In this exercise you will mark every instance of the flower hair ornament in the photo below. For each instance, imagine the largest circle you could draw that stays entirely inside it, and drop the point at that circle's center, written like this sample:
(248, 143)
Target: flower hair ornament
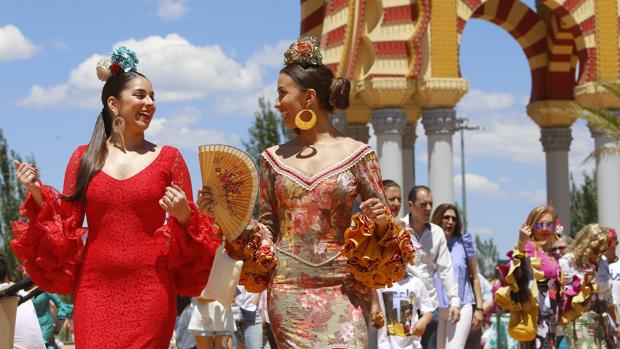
(123, 60)
(304, 51)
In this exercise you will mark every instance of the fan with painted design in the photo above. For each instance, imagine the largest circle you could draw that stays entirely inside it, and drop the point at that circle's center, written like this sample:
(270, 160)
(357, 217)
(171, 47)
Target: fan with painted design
(232, 177)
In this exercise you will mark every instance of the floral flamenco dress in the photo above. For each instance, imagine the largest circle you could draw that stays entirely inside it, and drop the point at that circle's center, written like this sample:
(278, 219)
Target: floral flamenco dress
(126, 276)
(313, 299)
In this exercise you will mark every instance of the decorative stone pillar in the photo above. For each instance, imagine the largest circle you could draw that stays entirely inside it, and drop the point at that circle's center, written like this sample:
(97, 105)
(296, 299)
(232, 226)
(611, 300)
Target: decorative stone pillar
(607, 181)
(358, 132)
(439, 126)
(556, 144)
(389, 125)
(408, 149)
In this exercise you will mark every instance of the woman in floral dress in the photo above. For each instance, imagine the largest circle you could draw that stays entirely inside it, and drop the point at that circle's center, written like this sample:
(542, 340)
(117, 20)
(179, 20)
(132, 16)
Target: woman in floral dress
(307, 190)
(587, 287)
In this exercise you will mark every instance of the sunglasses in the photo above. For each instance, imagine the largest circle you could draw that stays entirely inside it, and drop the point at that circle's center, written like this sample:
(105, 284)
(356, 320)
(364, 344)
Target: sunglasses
(540, 225)
(558, 248)
(449, 218)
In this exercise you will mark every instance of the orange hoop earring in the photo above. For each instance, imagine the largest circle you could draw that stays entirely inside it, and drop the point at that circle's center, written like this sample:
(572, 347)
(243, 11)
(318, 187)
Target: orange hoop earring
(305, 125)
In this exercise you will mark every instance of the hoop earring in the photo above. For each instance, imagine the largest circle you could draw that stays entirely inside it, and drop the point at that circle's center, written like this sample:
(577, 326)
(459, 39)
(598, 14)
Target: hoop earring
(305, 125)
(118, 124)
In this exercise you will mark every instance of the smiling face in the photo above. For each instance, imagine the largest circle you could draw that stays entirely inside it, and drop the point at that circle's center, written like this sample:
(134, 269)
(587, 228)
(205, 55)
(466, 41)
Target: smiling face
(136, 104)
(290, 100)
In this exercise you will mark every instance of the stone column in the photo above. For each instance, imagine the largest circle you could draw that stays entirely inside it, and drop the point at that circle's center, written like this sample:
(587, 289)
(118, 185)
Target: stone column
(556, 144)
(389, 125)
(408, 149)
(439, 126)
(358, 132)
(607, 181)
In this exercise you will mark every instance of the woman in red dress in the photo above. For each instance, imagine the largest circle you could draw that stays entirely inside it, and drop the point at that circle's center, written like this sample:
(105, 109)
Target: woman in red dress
(126, 276)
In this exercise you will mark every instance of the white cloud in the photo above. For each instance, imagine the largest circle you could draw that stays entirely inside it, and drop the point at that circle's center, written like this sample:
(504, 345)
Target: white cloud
(179, 70)
(170, 10)
(537, 196)
(477, 100)
(14, 45)
(179, 130)
(477, 184)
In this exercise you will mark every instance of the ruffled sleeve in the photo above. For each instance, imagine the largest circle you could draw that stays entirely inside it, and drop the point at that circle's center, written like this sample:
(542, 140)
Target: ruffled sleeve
(255, 244)
(375, 260)
(49, 243)
(190, 248)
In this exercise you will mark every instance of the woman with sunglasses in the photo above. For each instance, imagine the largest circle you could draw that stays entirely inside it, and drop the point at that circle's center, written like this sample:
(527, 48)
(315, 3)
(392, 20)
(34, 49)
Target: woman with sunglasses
(536, 236)
(583, 273)
(465, 268)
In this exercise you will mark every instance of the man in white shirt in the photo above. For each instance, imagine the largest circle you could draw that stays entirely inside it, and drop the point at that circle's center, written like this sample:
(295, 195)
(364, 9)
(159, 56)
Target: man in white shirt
(433, 256)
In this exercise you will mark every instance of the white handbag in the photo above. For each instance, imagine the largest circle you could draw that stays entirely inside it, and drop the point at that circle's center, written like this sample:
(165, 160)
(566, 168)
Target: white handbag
(223, 279)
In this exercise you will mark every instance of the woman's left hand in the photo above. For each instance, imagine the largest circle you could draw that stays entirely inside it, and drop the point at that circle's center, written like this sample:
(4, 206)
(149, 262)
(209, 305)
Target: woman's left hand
(477, 320)
(175, 203)
(375, 210)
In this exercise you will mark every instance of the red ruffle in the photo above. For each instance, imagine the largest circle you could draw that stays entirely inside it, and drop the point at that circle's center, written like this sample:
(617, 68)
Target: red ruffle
(190, 251)
(50, 244)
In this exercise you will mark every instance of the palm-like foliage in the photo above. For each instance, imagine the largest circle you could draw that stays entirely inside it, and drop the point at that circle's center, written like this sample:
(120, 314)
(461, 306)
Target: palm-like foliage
(606, 121)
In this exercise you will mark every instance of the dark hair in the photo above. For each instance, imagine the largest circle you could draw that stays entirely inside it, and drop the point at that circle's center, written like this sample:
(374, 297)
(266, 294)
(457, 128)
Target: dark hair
(333, 93)
(95, 154)
(388, 183)
(4, 269)
(413, 193)
(438, 216)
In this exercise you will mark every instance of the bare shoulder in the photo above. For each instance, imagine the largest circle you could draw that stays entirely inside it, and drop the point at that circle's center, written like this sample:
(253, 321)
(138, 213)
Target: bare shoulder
(351, 145)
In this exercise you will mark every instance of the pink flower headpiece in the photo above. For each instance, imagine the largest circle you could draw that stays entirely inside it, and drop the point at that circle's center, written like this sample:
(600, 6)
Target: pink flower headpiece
(304, 51)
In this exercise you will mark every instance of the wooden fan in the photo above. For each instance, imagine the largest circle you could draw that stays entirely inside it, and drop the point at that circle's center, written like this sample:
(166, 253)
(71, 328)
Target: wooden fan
(231, 175)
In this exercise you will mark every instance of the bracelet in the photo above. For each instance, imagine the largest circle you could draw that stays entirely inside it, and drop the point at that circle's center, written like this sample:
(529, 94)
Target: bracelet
(479, 309)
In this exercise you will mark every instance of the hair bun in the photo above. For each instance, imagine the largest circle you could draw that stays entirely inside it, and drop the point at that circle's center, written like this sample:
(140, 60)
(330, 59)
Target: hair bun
(339, 93)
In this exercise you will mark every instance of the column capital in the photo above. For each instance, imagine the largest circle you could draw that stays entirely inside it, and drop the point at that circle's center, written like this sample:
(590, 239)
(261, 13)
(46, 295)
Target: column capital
(409, 136)
(389, 121)
(358, 132)
(439, 121)
(551, 113)
(556, 138)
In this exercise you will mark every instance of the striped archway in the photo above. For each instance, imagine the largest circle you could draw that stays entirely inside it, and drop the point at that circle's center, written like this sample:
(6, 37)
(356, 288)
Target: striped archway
(523, 24)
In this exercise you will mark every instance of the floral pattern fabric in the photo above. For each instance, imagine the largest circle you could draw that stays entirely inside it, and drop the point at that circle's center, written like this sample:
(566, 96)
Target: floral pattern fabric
(313, 302)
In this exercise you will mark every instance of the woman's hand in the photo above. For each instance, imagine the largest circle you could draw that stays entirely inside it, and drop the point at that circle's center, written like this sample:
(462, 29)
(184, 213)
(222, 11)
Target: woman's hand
(27, 175)
(525, 234)
(175, 203)
(375, 210)
(477, 320)
(205, 201)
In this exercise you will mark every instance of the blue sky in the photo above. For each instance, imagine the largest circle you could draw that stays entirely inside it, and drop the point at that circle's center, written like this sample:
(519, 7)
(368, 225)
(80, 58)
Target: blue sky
(226, 55)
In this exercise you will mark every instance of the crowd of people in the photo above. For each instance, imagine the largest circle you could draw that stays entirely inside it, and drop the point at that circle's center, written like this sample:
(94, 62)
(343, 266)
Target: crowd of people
(328, 263)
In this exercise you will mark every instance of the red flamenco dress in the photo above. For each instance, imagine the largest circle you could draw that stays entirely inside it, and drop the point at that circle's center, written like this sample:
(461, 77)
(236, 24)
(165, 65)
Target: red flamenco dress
(126, 276)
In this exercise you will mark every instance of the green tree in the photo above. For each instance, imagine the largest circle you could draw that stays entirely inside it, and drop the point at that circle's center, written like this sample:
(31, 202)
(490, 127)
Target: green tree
(583, 208)
(11, 196)
(487, 256)
(265, 131)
